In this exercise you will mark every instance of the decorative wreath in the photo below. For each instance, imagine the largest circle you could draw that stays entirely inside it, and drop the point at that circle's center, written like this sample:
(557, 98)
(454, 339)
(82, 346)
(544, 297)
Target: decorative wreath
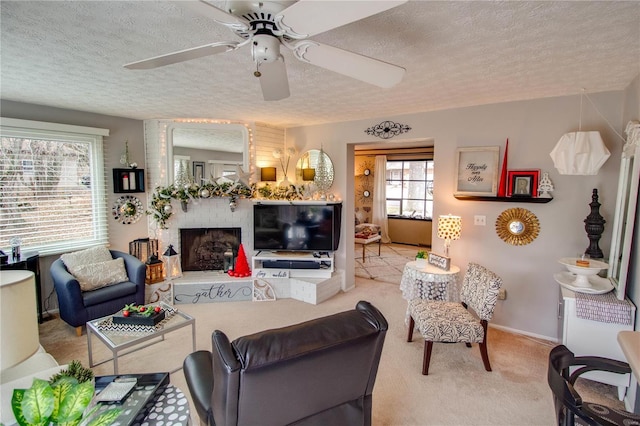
(127, 209)
(517, 226)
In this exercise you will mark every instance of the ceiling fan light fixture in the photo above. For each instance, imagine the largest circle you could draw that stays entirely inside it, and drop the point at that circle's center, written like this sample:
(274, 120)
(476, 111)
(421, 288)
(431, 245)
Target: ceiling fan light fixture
(265, 48)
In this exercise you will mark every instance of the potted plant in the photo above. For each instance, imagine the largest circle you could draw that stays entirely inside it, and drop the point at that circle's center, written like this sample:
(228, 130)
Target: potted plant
(421, 259)
(63, 400)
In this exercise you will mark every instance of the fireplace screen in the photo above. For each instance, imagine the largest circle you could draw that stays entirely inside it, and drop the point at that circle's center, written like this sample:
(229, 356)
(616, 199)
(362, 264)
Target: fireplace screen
(205, 249)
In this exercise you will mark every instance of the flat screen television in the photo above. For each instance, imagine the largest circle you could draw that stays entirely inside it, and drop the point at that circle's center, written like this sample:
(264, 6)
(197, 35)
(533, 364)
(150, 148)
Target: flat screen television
(296, 227)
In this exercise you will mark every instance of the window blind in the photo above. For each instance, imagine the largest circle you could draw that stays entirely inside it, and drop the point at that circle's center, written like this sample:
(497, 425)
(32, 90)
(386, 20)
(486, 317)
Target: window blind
(52, 186)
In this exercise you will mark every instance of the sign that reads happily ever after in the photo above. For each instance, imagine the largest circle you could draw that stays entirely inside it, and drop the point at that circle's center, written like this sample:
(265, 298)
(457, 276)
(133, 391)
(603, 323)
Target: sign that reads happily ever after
(438, 261)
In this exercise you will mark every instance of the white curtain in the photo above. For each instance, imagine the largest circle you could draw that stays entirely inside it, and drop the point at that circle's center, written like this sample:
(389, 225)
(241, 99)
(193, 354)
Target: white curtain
(380, 197)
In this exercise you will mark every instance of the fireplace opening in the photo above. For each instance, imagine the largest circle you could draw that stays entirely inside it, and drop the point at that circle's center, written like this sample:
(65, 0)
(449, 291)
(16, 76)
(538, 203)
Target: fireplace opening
(209, 249)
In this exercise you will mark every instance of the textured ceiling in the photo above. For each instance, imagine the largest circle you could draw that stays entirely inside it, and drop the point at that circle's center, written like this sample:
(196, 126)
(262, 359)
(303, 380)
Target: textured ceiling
(70, 55)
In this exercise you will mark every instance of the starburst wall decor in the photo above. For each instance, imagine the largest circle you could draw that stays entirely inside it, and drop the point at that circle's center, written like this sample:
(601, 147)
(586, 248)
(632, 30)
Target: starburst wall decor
(387, 129)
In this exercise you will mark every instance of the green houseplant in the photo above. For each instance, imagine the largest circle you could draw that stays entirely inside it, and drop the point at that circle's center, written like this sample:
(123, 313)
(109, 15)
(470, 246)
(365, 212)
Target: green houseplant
(62, 402)
(421, 259)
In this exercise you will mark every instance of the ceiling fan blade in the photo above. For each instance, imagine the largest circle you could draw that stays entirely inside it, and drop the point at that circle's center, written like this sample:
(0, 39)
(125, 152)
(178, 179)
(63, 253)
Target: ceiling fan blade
(184, 55)
(274, 80)
(306, 18)
(205, 8)
(360, 67)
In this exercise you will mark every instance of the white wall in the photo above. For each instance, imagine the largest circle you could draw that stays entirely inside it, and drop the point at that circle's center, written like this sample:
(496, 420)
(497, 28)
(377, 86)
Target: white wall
(533, 128)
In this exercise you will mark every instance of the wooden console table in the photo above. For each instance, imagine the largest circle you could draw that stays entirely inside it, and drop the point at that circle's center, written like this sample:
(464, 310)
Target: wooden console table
(29, 261)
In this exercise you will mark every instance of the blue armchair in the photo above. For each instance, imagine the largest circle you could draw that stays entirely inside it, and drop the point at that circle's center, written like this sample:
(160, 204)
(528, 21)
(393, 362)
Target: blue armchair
(78, 307)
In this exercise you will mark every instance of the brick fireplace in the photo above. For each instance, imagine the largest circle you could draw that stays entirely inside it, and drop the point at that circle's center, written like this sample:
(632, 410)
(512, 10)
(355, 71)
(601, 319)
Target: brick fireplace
(209, 249)
(212, 213)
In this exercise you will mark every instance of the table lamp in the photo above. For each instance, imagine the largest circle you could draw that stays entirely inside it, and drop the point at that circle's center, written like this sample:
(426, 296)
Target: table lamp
(449, 228)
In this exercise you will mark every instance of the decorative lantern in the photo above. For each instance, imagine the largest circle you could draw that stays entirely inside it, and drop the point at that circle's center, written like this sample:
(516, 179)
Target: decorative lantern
(172, 261)
(144, 248)
(155, 270)
(228, 260)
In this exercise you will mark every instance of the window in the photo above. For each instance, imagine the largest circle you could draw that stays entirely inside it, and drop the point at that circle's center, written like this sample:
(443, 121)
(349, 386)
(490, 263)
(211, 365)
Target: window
(52, 195)
(410, 188)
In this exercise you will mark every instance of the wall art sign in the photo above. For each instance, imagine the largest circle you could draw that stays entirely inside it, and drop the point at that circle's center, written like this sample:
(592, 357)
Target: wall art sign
(232, 291)
(442, 262)
(477, 171)
(387, 129)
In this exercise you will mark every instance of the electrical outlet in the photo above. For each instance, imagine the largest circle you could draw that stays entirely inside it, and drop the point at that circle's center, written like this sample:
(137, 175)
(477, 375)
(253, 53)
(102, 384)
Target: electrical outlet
(480, 220)
(502, 294)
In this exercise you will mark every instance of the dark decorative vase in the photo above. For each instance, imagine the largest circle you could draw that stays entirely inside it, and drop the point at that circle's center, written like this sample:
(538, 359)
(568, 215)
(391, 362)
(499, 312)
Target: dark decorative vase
(594, 225)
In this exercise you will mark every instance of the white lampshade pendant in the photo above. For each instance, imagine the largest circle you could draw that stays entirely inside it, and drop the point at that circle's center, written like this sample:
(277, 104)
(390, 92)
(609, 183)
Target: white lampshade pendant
(579, 153)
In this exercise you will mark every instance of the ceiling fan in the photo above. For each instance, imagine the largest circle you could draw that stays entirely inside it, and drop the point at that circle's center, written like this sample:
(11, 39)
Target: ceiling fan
(267, 25)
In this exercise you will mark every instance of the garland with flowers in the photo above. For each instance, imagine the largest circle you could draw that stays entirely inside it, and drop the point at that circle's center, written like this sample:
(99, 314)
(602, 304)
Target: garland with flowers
(161, 209)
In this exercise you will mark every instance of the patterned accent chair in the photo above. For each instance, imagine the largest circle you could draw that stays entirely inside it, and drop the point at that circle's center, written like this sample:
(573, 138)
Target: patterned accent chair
(570, 409)
(441, 321)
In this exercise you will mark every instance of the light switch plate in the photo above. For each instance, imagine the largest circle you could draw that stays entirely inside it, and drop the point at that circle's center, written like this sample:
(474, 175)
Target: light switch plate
(480, 220)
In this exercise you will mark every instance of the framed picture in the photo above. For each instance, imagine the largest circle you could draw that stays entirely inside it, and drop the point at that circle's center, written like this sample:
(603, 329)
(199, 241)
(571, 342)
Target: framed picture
(198, 171)
(477, 170)
(522, 183)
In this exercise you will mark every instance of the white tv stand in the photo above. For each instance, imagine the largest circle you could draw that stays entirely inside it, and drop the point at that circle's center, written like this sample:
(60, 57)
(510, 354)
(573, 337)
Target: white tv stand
(298, 275)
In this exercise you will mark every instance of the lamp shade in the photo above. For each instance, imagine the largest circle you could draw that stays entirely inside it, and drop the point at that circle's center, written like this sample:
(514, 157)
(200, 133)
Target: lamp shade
(18, 313)
(579, 153)
(308, 174)
(268, 174)
(449, 227)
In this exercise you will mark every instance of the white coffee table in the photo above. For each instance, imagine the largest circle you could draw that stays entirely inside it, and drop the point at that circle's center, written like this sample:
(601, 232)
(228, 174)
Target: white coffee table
(123, 340)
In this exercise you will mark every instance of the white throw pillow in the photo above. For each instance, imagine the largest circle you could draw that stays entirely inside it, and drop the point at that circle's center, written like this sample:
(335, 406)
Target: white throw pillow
(101, 274)
(85, 257)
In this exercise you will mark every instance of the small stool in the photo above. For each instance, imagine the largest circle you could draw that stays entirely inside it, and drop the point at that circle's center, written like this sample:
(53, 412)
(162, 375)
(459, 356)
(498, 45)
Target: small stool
(367, 233)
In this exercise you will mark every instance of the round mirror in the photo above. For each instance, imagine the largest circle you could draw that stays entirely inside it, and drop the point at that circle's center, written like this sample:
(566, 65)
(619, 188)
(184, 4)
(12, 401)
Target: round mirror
(366, 193)
(367, 172)
(312, 167)
(517, 226)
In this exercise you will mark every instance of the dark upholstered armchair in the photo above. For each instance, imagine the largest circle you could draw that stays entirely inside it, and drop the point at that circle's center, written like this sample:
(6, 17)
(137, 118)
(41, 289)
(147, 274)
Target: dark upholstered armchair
(319, 372)
(78, 307)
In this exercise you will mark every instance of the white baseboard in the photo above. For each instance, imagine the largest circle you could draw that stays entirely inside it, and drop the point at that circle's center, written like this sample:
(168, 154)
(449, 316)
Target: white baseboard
(553, 340)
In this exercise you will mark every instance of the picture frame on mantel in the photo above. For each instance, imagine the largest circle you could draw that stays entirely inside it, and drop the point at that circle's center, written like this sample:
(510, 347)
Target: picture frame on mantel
(523, 183)
(477, 171)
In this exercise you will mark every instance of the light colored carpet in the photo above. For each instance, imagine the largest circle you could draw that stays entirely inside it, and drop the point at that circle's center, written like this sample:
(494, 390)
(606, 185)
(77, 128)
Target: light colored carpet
(458, 390)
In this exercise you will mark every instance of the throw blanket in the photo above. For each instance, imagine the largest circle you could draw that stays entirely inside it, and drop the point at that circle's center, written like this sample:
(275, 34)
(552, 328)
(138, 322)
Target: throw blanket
(603, 308)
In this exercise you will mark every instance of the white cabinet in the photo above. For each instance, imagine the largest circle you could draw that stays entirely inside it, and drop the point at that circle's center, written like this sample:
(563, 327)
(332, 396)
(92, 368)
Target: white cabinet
(585, 337)
(301, 276)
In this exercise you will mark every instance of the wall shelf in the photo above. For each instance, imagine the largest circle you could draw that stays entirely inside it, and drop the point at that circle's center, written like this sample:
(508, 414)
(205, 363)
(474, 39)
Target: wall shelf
(503, 199)
(128, 180)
